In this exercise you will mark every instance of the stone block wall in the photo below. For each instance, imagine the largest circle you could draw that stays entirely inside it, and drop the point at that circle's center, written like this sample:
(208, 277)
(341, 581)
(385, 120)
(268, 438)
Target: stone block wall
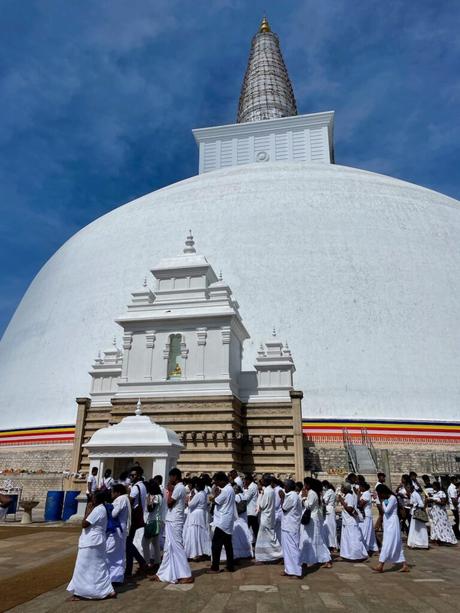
(41, 465)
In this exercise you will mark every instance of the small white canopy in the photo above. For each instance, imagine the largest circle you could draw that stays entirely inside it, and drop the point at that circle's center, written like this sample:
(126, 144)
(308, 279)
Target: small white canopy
(135, 439)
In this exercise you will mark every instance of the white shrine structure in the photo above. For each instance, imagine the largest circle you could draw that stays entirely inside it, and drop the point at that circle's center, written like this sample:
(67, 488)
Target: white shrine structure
(135, 439)
(183, 347)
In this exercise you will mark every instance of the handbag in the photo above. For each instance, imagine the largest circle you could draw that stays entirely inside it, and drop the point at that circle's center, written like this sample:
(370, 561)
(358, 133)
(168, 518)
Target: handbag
(420, 515)
(306, 516)
(152, 528)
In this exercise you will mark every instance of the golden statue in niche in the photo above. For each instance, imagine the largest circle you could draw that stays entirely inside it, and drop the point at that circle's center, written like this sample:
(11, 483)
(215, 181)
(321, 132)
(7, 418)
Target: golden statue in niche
(177, 372)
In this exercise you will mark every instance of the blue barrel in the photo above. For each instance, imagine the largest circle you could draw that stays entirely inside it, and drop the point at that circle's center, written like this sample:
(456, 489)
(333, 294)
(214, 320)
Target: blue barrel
(53, 507)
(13, 506)
(70, 504)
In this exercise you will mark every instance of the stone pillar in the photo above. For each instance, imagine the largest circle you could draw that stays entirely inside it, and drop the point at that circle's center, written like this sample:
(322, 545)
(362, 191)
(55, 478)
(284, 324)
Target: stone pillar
(150, 346)
(296, 397)
(83, 405)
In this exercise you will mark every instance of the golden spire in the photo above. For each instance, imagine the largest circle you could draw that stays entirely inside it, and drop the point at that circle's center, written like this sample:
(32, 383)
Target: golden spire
(264, 26)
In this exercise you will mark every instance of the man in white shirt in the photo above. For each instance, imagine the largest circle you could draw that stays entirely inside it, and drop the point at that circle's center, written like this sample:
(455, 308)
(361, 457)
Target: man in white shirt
(174, 567)
(91, 483)
(223, 521)
(251, 492)
(452, 493)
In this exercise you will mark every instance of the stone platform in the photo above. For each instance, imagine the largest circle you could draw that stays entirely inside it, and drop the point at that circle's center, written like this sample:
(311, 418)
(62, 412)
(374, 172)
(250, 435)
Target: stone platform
(432, 586)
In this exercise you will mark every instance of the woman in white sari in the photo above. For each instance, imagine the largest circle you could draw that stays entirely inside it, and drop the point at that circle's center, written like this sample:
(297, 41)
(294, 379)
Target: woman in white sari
(91, 577)
(367, 526)
(352, 545)
(441, 530)
(418, 532)
(116, 539)
(330, 522)
(392, 549)
(197, 541)
(313, 548)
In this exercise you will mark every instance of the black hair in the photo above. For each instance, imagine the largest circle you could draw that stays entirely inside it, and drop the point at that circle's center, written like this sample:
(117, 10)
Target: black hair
(436, 485)
(249, 476)
(175, 472)
(289, 485)
(137, 469)
(206, 478)
(328, 485)
(99, 497)
(381, 475)
(119, 488)
(365, 486)
(298, 485)
(199, 484)
(153, 487)
(220, 476)
(361, 479)
(383, 490)
(158, 479)
(351, 477)
(266, 479)
(94, 470)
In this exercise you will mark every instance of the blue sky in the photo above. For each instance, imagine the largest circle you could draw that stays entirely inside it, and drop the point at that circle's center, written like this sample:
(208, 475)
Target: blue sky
(98, 99)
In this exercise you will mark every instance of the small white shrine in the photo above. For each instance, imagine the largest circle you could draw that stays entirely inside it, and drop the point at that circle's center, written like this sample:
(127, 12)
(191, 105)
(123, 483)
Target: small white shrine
(135, 440)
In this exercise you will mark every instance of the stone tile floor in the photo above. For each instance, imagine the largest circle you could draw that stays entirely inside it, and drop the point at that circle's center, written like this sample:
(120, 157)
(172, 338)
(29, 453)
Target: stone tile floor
(432, 586)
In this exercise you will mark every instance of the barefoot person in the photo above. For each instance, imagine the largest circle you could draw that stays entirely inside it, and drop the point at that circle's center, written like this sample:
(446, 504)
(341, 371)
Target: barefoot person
(91, 577)
(392, 550)
(352, 545)
(291, 508)
(268, 548)
(174, 566)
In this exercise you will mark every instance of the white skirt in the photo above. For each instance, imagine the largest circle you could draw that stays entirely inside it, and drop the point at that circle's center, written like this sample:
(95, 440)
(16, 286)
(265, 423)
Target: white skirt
(418, 534)
(268, 548)
(392, 549)
(174, 565)
(291, 553)
(91, 577)
(330, 530)
(197, 541)
(116, 556)
(368, 532)
(313, 548)
(241, 540)
(352, 545)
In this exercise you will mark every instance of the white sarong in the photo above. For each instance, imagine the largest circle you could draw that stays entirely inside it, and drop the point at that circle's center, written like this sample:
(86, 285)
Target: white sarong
(368, 532)
(268, 548)
(91, 577)
(116, 555)
(174, 565)
(392, 550)
(291, 553)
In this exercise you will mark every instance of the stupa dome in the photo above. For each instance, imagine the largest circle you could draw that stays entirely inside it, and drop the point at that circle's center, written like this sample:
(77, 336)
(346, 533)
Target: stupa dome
(358, 271)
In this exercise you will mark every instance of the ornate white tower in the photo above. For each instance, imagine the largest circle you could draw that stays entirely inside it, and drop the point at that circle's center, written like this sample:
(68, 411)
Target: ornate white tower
(268, 127)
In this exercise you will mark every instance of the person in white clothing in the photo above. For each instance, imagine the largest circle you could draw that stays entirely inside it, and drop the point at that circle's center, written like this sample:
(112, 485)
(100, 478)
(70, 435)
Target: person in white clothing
(276, 485)
(152, 530)
(291, 509)
(352, 545)
(418, 533)
(441, 530)
(268, 547)
(116, 538)
(452, 494)
(223, 497)
(313, 547)
(241, 537)
(91, 576)
(330, 522)
(392, 549)
(197, 542)
(367, 527)
(251, 492)
(91, 483)
(174, 567)
(107, 480)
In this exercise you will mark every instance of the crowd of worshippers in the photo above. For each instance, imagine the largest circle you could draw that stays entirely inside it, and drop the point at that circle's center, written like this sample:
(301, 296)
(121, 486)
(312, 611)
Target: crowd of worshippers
(232, 519)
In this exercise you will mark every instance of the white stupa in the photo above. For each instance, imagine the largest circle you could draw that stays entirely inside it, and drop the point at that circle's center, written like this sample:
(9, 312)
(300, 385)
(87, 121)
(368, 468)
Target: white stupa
(358, 270)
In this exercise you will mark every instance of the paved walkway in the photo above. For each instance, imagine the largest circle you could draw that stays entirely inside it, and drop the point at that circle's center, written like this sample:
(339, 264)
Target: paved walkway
(432, 586)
